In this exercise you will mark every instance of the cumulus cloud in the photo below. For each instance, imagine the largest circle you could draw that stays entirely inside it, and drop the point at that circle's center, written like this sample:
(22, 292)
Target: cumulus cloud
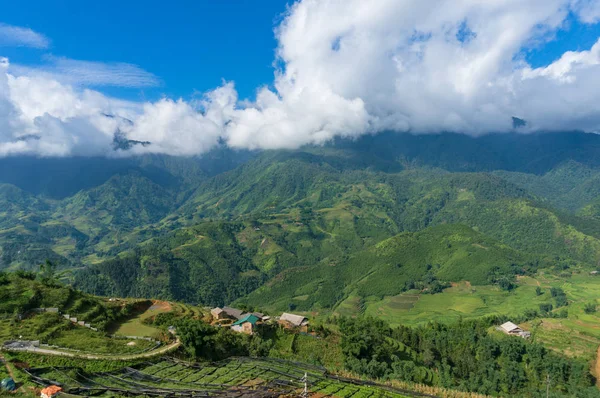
(347, 67)
(40, 115)
(178, 128)
(18, 36)
(353, 67)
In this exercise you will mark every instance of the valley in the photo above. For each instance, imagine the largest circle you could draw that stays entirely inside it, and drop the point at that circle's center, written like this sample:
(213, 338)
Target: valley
(388, 228)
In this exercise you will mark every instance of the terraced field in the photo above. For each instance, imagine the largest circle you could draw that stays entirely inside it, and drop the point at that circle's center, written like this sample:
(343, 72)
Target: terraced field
(136, 326)
(234, 377)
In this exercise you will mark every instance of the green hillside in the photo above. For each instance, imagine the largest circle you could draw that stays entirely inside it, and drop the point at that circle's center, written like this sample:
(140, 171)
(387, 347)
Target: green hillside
(343, 356)
(23, 292)
(569, 186)
(426, 260)
(304, 213)
(313, 227)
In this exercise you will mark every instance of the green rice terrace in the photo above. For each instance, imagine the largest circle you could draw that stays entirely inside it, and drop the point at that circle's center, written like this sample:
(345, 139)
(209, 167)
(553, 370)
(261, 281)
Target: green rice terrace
(235, 377)
(63, 321)
(138, 347)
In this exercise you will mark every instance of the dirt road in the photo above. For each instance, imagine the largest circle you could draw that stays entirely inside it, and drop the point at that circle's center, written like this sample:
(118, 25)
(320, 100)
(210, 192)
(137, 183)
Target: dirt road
(46, 351)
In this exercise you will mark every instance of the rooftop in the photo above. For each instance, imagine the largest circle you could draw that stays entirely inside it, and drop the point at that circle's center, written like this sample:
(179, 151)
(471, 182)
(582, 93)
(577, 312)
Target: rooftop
(296, 320)
(508, 326)
(234, 312)
(248, 318)
(49, 391)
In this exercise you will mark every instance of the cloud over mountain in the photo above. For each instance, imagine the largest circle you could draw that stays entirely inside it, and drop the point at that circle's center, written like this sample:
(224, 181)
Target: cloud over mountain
(346, 68)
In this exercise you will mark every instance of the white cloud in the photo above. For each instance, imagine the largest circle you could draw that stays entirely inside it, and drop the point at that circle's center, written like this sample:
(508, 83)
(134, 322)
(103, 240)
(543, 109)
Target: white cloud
(587, 10)
(89, 73)
(354, 67)
(349, 67)
(568, 67)
(44, 117)
(177, 128)
(18, 36)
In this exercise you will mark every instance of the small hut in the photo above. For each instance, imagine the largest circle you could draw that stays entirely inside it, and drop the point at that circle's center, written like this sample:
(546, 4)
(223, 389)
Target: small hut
(291, 321)
(218, 313)
(513, 330)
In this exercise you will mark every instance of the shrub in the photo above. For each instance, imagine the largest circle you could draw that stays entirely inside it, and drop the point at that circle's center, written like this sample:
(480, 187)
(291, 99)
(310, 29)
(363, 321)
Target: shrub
(538, 291)
(590, 308)
(545, 308)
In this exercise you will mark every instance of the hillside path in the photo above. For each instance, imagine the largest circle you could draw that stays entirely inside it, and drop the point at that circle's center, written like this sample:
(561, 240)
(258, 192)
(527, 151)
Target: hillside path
(46, 351)
(597, 368)
(8, 369)
(10, 372)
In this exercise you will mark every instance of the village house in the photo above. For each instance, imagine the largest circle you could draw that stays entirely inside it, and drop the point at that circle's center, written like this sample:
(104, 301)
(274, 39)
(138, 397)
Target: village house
(235, 314)
(227, 313)
(513, 330)
(50, 392)
(260, 316)
(218, 313)
(292, 321)
(246, 325)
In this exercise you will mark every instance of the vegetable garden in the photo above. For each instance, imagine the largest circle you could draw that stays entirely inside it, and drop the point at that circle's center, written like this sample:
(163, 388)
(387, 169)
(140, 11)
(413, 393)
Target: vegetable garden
(231, 378)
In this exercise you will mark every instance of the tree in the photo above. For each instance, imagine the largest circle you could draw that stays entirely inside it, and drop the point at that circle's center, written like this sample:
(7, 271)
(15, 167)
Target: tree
(561, 301)
(47, 271)
(4, 278)
(538, 291)
(590, 308)
(506, 284)
(545, 308)
(559, 296)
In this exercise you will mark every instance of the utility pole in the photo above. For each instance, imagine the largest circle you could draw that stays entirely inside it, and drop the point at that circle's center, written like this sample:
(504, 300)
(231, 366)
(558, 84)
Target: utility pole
(547, 385)
(305, 381)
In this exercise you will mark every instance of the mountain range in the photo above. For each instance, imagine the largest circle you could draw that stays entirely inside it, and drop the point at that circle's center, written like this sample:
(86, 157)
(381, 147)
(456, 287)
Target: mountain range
(308, 228)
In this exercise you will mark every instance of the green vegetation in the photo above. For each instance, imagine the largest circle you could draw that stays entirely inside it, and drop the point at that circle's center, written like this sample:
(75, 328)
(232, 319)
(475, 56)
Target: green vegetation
(442, 228)
(23, 300)
(447, 355)
(238, 375)
(465, 355)
(282, 226)
(424, 262)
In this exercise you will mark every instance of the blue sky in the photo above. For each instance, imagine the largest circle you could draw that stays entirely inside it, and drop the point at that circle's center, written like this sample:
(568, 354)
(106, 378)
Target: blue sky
(191, 46)
(575, 36)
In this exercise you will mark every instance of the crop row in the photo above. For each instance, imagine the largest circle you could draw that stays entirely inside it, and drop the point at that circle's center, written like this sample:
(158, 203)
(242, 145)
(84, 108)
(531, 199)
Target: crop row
(170, 375)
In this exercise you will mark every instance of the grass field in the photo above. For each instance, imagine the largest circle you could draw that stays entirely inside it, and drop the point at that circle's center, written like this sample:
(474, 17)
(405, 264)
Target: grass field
(309, 349)
(3, 371)
(578, 335)
(54, 330)
(459, 301)
(134, 326)
(556, 334)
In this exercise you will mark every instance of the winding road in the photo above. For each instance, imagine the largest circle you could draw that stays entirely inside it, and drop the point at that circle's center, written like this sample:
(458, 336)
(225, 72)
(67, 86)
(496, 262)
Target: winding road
(47, 351)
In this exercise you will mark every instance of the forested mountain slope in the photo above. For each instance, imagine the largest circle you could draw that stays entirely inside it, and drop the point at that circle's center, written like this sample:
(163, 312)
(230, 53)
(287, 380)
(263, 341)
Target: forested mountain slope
(214, 229)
